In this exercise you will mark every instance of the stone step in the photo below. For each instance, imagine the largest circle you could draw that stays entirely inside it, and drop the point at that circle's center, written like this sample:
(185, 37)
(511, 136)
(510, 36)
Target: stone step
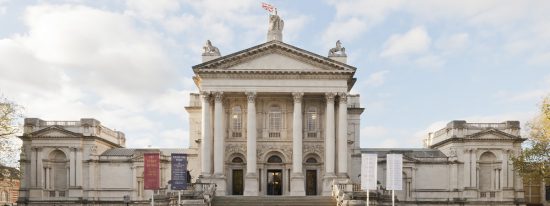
(273, 201)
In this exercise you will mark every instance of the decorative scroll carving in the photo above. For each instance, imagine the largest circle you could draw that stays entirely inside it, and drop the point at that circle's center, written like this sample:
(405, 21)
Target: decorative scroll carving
(205, 95)
(210, 50)
(297, 97)
(263, 149)
(251, 96)
(235, 148)
(218, 96)
(337, 51)
(330, 96)
(315, 149)
(343, 97)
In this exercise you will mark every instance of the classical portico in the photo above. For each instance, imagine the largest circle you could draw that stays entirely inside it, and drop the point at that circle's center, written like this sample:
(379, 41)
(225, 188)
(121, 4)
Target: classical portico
(281, 111)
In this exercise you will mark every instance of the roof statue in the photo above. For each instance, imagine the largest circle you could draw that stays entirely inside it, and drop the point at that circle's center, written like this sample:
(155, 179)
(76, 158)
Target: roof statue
(210, 50)
(337, 51)
(275, 30)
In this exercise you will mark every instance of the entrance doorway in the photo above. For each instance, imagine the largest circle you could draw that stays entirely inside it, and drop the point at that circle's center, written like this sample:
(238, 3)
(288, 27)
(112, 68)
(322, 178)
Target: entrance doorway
(311, 182)
(237, 187)
(274, 182)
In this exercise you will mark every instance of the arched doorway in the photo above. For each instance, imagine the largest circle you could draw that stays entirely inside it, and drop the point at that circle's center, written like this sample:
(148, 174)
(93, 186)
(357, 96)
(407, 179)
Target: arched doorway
(236, 168)
(274, 176)
(312, 166)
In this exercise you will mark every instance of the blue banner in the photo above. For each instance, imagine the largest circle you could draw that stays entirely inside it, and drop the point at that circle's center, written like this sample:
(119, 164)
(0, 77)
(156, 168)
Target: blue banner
(179, 171)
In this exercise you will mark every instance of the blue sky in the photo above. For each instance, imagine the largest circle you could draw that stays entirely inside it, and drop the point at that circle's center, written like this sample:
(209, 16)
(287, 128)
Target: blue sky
(420, 63)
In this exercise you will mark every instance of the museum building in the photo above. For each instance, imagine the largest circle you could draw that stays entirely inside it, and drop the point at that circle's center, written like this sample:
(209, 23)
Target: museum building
(271, 120)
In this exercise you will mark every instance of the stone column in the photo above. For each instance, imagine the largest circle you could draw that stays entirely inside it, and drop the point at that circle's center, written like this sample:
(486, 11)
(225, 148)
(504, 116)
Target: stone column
(206, 137)
(343, 135)
(474, 169)
(251, 180)
(297, 179)
(219, 176)
(504, 169)
(218, 134)
(329, 145)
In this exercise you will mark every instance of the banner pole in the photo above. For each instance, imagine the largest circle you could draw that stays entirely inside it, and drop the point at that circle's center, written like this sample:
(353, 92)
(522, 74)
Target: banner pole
(368, 197)
(153, 198)
(179, 197)
(392, 198)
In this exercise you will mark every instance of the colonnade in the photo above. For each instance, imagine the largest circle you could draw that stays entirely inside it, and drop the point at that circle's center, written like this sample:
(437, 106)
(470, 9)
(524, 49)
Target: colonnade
(214, 145)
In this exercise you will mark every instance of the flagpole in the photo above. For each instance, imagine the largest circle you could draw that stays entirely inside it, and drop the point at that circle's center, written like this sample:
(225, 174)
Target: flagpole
(368, 197)
(153, 198)
(179, 197)
(392, 198)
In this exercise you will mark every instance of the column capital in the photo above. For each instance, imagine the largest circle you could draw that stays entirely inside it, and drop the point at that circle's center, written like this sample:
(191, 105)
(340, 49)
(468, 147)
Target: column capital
(329, 96)
(218, 96)
(343, 97)
(297, 96)
(205, 95)
(250, 96)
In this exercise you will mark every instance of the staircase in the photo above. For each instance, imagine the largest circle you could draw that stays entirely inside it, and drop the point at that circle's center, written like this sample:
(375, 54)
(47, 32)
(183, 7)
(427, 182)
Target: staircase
(273, 200)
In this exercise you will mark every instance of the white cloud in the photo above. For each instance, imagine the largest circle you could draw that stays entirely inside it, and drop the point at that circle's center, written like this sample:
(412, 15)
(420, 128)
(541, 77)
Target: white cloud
(157, 9)
(430, 61)
(376, 79)
(454, 42)
(413, 41)
(342, 30)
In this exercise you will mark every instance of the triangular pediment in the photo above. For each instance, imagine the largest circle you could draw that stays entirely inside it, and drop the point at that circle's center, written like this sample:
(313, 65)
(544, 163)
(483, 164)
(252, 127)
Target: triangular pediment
(54, 131)
(274, 56)
(275, 62)
(492, 134)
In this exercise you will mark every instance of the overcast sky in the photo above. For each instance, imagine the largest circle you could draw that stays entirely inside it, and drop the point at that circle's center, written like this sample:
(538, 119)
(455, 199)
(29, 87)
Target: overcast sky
(419, 64)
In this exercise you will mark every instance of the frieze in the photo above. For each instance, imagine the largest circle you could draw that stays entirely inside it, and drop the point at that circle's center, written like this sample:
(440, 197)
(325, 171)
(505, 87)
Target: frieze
(263, 149)
(235, 148)
(274, 75)
(318, 149)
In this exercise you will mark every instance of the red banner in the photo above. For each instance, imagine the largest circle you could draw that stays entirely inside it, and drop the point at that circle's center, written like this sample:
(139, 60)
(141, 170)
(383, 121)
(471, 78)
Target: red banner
(151, 171)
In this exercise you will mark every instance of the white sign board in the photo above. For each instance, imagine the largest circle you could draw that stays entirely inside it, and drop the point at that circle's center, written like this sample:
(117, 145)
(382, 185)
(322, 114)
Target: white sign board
(394, 171)
(369, 165)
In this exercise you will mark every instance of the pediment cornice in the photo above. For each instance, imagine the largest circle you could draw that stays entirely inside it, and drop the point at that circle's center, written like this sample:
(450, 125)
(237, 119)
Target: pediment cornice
(53, 132)
(325, 64)
(492, 134)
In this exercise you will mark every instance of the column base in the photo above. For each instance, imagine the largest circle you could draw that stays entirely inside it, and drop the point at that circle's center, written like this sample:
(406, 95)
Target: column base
(297, 185)
(327, 184)
(251, 185)
(221, 185)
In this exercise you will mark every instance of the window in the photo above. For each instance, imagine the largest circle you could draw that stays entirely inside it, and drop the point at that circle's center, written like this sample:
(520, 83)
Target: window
(274, 159)
(4, 196)
(312, 122)
(275, 121)
(237, 160)
(311, 160)
(236, 121)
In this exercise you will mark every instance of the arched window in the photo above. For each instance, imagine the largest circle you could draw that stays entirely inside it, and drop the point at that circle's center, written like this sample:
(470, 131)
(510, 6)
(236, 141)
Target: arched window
(236, 121)
(274, 159)
(275, 121)
(312, 118)
(4, 196)
(57, 173)
(311, 160)
(489, 178)
(237, 160)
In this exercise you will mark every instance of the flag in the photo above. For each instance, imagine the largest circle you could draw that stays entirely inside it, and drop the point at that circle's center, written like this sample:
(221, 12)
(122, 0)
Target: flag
(268, 7)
